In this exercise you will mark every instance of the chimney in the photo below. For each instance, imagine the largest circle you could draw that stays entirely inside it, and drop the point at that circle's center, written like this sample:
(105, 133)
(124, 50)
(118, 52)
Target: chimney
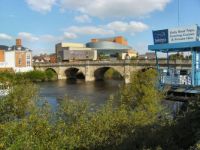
(18, 42)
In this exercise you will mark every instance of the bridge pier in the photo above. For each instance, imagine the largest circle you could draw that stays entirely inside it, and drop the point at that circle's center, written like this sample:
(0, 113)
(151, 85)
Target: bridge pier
(60, 77)
(89, 74)
(127, 79)
(61, 73)
(127, 74)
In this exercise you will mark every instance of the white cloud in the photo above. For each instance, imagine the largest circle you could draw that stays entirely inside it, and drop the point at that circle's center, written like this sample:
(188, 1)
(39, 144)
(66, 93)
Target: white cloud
(68, 35)
(41, 5)
(89, 30)
(46, 38)
(49, 38)
(115, 8)
(103, 8)
(4, 36)
(112, 28)
(83, 19)
(28, 36)
(130, 27)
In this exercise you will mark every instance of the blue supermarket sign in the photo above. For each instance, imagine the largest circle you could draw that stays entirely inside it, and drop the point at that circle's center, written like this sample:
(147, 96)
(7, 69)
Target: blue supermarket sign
(160, 36)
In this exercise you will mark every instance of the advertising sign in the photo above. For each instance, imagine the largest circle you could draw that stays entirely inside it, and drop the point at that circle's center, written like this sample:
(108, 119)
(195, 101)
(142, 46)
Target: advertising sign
(177, 35)
(160, 36)
(183, 34)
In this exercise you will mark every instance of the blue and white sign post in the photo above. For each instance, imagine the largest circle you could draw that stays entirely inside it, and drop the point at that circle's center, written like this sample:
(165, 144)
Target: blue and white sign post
(180, 39)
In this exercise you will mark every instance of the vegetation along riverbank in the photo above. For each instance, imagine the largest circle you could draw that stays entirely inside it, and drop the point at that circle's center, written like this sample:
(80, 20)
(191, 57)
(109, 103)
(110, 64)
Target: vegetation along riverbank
(133, 119)
(33, 76)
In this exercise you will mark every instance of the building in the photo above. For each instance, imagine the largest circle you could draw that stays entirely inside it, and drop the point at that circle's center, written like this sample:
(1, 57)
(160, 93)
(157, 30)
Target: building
(130, 54)
(110, 47)
(16, 57)
(45, 58)
(148, 55)
(74, 51)
(119, 39)
(42, 58)
(52, 58)
(39, 59)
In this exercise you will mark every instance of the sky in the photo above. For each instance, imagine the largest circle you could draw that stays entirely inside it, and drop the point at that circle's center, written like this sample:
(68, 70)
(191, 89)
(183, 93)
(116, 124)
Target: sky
(43, 23)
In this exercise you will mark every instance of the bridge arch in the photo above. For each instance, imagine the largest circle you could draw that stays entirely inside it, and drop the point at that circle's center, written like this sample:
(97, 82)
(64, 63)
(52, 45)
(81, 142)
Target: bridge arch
(53, 74)
(74, 73)
(52, 69)
(100, 72)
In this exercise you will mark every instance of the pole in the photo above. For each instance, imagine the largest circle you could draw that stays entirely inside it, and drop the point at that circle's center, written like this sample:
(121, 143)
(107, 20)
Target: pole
(178, 14)
(167, 62)
(193, 67)
(158, 70)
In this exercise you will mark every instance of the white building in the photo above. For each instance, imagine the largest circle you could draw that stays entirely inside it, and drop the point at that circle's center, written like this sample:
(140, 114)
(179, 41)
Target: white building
(17, 57)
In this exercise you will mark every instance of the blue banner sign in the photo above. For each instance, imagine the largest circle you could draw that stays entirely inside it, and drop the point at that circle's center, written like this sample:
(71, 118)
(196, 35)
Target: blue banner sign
(160, 36)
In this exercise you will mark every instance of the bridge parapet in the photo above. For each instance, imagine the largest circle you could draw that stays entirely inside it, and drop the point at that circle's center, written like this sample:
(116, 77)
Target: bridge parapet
(138, 62)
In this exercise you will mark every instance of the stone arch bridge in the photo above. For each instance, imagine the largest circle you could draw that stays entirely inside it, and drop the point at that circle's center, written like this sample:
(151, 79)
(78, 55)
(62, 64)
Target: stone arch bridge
(94, 70)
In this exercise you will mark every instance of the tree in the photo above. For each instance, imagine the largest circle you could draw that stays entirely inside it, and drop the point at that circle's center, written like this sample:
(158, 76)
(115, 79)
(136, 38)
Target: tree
(176, 56)
(135, 122)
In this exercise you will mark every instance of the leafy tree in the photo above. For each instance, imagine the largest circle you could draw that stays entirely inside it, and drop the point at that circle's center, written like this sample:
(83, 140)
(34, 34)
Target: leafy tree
(176, 56)
(133, 119)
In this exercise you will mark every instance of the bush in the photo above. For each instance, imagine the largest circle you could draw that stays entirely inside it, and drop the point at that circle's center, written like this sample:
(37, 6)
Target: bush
(50, 75)
(36, 75)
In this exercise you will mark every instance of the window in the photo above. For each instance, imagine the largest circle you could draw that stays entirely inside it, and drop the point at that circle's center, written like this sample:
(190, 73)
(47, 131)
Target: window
(28, 58)
(20, 61)
(28, 63)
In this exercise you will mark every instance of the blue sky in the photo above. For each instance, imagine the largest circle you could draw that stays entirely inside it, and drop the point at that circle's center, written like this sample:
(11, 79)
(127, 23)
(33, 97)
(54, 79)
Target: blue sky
(43, 23)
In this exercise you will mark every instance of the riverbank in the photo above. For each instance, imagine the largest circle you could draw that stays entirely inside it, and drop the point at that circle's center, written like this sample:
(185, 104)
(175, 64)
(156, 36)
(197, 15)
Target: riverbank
(33, 76)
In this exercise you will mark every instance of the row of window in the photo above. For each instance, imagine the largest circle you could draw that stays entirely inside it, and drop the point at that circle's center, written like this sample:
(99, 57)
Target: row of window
(28, 60)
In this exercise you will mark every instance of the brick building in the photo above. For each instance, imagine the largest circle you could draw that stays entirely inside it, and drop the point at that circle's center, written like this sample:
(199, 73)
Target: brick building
(16, 57)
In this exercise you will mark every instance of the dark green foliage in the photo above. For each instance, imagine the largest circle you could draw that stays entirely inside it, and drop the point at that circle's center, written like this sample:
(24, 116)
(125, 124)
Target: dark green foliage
(178, 56)
(112, 74)
(50, 75)
(35, 76)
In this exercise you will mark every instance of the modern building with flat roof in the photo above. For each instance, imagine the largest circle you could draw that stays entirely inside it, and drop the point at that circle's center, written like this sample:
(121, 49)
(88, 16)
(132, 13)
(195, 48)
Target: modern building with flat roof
(110, 47)
(74, 51)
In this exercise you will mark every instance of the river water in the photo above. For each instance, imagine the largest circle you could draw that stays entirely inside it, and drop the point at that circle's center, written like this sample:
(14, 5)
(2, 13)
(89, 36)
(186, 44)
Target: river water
(96, 92)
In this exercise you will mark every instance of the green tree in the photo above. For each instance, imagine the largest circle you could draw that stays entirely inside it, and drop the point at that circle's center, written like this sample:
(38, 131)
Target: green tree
(176, 56)
(50, 75)
(132, 123)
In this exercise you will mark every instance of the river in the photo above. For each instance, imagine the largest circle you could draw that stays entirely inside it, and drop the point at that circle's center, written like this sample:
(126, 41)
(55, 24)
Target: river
(96, 92)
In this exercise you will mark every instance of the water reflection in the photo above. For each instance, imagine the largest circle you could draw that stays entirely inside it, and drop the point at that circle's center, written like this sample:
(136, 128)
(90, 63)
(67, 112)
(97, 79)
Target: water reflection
(96, 92)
